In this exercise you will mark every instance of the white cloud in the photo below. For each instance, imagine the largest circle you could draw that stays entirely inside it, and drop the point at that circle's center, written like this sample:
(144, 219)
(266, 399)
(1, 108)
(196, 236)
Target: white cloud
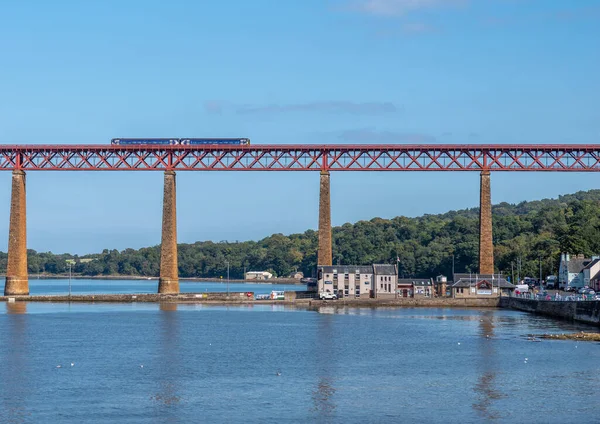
(370, 135)
(333, 106)
(329, 106)
(400, 7)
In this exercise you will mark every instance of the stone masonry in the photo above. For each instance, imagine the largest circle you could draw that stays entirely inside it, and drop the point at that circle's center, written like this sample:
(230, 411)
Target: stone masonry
(169, 277)
(486, 246)
(17, 282)
(325, 256)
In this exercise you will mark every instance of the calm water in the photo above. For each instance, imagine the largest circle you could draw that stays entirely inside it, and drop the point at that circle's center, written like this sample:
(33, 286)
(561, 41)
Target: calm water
(140, 363)
(146, 286)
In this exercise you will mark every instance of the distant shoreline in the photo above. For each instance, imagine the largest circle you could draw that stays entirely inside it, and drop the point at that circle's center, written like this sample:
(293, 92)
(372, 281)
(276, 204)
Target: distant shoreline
(181, 279)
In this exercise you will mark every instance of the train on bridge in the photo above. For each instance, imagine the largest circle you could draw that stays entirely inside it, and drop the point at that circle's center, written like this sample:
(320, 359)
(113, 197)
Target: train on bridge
(179, 141)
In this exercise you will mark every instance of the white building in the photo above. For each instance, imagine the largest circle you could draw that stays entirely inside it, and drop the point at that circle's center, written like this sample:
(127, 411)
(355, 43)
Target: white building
(576, 270)
(386, 281)
(345, 280)
(354, 281)
(258, 275)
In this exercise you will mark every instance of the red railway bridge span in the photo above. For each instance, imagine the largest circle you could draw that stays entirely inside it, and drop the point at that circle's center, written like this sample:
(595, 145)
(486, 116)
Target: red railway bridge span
(322, 158)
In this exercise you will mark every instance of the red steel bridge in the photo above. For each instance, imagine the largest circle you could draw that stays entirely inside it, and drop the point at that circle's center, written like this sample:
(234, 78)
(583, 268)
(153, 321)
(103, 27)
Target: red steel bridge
(323, 158)
(440, 157)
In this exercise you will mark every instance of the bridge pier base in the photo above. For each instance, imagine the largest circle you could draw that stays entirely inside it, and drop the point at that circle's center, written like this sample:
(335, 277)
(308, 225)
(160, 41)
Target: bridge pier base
(486, 245)
(169, 276)
(324, 255)
(17, 282)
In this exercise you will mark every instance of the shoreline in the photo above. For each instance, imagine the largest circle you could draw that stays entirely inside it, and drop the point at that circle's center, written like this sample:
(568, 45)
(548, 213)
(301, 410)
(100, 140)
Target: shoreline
(181, 279)
(247, 299)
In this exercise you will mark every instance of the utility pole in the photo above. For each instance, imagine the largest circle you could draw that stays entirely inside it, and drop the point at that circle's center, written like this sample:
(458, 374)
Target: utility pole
(512, 273)
(69, 280)
(540, 272)
(227, 278)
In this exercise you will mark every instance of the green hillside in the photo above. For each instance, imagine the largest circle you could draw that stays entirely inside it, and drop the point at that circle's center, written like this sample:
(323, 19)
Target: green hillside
(425, 245)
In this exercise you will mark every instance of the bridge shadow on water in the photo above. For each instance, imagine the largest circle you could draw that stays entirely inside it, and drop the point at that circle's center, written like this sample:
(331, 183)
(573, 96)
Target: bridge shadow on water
(15, 373)
(167, 397)
(323, 396)
(485, 389)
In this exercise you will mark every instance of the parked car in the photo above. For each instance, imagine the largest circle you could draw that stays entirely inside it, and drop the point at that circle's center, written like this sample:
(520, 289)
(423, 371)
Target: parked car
(327, 296)
(585, 290)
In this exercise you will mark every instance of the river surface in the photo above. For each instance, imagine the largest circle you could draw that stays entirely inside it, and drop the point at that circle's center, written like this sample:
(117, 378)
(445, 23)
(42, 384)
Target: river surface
(93, 286)
(153, 363)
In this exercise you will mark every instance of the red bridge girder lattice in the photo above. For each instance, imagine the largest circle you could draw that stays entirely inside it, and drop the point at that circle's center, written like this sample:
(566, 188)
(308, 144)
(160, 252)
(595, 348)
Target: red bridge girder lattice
(575, 158)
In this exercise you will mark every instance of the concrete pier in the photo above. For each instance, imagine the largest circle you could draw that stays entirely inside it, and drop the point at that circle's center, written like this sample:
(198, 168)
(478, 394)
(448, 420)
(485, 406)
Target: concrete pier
(486, 246)
(17, 282)
(324, 255)
(169, 276)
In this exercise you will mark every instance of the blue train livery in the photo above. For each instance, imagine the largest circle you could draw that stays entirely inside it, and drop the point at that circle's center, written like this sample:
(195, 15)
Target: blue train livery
(237, 141)
(145, 141)
(179, 141)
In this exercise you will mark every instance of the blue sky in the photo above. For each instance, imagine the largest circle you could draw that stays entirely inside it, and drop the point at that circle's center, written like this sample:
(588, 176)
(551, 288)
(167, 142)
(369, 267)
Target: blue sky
(305, 71)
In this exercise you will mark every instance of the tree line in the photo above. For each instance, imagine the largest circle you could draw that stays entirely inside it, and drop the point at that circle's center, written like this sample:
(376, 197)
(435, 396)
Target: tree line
(528, 233)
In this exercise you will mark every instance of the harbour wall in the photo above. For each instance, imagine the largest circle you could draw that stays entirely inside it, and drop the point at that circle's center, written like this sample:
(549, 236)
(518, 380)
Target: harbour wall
(583, 311)
(248, 298)
(436, 302)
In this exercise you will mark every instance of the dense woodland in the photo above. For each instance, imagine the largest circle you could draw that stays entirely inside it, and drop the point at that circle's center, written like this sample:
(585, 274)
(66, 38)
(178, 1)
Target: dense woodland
(426, 246)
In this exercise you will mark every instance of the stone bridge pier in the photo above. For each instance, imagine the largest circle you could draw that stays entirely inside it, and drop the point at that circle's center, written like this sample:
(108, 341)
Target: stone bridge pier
(168, 281)
(17, 281)
(324, 253)
(486, 245)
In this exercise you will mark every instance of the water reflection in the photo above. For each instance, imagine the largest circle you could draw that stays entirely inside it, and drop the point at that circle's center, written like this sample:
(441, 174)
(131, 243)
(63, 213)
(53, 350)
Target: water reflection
(323, 397)
(16, 308)
(15, 385)
(485, 390)
(168, 307)
(167, 397)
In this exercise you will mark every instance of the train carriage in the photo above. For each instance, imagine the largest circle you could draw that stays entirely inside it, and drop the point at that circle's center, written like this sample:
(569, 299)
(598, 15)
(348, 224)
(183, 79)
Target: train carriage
(179, 141)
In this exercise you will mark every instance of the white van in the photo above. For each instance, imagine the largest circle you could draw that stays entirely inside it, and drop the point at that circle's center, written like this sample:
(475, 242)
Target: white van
(521, 288)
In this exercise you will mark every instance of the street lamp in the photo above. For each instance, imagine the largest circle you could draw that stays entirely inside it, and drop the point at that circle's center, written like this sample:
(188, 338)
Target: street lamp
(227, 278)
(70, 264)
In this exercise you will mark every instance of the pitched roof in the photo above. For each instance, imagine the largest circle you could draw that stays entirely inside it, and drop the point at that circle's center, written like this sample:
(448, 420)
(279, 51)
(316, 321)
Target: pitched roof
(576, 265)
(592, 263)
(458, 276)
(347, 269)
(414, 281)
(384, 269)
(472, 281)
